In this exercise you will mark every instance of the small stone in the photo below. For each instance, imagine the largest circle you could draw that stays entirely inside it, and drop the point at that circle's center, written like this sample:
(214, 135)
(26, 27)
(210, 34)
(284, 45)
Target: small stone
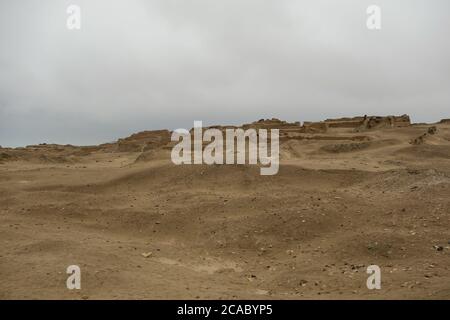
(261, 292)
(438, 248)
(146, 254)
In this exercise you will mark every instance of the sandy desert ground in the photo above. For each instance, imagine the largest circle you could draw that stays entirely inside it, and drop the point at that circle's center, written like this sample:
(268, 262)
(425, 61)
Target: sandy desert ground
(140, 227)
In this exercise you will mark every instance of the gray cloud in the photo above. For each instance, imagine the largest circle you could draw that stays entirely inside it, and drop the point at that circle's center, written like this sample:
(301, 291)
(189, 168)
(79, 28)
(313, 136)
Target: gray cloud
(139, 65)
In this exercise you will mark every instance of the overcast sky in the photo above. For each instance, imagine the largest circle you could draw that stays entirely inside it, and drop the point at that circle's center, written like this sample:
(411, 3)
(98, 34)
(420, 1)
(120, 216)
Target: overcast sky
(151, 64)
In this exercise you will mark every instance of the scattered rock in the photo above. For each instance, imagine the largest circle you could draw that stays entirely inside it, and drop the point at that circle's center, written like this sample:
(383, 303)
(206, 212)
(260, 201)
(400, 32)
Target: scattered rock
(303, 283)
(432, 130)
(147, 254)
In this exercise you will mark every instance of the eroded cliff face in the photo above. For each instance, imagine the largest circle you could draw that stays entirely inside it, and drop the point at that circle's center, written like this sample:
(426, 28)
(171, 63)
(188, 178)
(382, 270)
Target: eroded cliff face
(158, 142)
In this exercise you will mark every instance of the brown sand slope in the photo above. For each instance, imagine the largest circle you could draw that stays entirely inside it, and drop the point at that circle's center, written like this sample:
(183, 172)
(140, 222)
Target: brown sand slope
(344, 198)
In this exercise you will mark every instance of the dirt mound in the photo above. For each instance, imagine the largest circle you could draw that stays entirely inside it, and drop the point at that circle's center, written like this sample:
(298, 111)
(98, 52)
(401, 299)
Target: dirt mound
(245, 178)
(423, 137)
(346, 147)
(292, 149)
(406, 180)
(6, 156)
(143, 141)
(43, 153)
(359, 146)
(424, 151)
(153, 155)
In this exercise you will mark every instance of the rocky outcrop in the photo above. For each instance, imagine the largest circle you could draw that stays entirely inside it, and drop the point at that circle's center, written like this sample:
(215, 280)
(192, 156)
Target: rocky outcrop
(144, 141)
(370, 123)
(422, 138)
